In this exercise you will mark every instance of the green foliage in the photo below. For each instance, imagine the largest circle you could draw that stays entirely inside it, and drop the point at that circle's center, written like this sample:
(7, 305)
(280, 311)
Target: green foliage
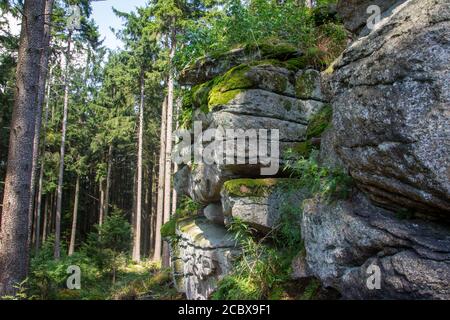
(319, 122)
(329, 183)
(256, 22)
(264, 266)
(186, 208)
(21, 292)
(311, 290)
(107, 246)
(168, 229)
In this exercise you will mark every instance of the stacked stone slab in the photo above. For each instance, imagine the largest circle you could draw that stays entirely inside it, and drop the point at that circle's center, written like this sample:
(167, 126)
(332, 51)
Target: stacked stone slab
(264, 87)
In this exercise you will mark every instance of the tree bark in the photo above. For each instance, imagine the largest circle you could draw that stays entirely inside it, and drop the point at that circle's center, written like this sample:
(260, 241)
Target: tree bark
(44, 223)
(57, 251)
(108, 182)
(38, 122)
(137, 231)
(101, 204)
(14, 220)
(168, 168)
(160, 200)
(41, 169)
(74, 217)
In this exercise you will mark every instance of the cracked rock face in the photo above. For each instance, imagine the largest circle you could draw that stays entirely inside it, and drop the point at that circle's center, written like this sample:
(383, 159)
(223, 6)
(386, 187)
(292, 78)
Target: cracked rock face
(391, 102)
(280, 100)
(203, 255)
(342, 240)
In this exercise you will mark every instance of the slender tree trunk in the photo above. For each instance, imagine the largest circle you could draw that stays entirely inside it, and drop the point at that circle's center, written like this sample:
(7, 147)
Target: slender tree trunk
(41, 169)
(74, 217)
(160, 200)
(38, 122)
(168, 169)
(14, 220)
(108, 182)
(101, 204)
(44, 223)
(57, 252)
(150, 212)
(137, 231)
(175, 165)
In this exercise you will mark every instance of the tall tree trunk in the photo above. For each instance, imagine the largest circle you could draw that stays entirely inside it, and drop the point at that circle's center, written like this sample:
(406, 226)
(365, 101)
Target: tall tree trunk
(108, 182)
(101, 203)
(38, 122)
(41, 169)
(160, 200)
(150, 212)
(74, 217)
(137, 230)
(175, 165)
(168, 168)
(57, 251)
(14, 220)
(45, 222)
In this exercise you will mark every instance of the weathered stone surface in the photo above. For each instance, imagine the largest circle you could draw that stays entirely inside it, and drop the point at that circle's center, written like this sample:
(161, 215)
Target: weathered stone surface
(203, 255)
(208, 68)
(344, 238)
(300, 268)
(206, 182)
(328, 156)
(391, 108)
(354, 12)
(272, 78)
(308, 85)
(214, 213)
(259, 202)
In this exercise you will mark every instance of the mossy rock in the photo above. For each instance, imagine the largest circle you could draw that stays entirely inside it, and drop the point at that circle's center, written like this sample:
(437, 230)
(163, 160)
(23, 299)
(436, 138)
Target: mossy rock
(319, 122)
(168, 229)
(200, 94)
(253, 187)
(293, 64)
(279, 51)
(226, 87)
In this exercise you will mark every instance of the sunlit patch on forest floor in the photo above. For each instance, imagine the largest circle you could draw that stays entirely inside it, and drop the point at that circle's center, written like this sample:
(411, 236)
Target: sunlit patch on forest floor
(143, 281)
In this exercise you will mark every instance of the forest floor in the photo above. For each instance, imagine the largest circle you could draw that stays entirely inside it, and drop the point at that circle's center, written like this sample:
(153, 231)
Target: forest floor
(143, 281)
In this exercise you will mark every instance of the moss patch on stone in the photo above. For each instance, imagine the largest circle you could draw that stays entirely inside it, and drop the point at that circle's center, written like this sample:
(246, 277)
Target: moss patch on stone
(253, 187)
(168, 229)
(226, 87)
(200, 94)
(319, 122)
(279, 51)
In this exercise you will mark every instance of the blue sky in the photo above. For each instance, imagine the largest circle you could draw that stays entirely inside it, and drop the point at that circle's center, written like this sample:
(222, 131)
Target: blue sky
(105, 18)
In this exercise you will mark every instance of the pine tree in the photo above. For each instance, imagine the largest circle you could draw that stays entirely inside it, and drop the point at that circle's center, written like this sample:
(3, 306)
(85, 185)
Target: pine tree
(14, 221)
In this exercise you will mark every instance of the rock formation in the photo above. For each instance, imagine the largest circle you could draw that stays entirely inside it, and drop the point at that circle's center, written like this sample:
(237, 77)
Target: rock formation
(388, 98)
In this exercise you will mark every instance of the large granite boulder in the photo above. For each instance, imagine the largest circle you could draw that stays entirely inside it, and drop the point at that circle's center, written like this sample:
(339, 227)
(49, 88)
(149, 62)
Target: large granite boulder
(345, 238)
(391, 109)
(202, 255)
